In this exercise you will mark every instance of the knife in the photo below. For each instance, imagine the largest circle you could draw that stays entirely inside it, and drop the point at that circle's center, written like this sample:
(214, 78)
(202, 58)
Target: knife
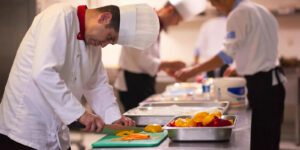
(111, 129)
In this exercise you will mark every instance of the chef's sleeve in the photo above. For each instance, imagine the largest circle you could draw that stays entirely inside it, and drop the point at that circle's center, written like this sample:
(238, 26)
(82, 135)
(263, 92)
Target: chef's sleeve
(51, 35)
(99, 94)
(236, 29)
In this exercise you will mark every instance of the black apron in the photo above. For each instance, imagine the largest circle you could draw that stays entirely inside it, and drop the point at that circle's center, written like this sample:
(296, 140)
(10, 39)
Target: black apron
(267, 104)
(139, 87)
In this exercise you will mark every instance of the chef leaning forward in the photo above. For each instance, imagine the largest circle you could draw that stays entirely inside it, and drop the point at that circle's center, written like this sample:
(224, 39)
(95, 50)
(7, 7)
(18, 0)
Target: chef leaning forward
(58, 62)
(252, 42)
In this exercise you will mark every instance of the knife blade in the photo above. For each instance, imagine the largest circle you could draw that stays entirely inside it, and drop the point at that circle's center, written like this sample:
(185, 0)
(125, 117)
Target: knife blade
(111, 129)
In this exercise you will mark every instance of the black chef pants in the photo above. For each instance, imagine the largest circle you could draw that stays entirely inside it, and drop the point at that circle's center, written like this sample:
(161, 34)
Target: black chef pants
(267, 104)
(8, 144)
(139, 87)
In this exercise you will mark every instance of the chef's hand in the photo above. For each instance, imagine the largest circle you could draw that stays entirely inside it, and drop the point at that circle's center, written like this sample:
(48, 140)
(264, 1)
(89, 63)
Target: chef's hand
(125, 121)
(92, 122)
(170, 67)
(230, 71)
(185, 73)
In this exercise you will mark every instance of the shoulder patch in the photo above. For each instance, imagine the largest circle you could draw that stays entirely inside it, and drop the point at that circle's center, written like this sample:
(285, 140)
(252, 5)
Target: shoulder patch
(231, 35)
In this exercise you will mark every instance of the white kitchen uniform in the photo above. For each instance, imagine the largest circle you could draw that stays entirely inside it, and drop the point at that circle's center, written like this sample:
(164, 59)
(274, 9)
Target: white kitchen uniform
(256, 50)
(252, 42)
(210, 38)
(51, 72)
(137, 61)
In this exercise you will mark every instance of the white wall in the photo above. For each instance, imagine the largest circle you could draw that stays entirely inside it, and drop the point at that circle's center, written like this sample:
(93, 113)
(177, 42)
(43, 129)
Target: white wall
(289, 36)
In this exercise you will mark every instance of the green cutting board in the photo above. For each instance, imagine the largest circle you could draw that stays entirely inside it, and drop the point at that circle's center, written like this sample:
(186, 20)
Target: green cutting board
(108, 141)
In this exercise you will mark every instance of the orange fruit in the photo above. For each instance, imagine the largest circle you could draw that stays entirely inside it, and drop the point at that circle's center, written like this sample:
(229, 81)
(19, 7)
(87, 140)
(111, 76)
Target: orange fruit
(190, 122)
(216, 113)
(200, 116)
(180, 122)
(153, 128)
(207, 119)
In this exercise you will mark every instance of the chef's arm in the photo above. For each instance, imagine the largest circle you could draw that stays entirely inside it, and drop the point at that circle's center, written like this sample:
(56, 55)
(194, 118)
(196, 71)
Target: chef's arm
(170, 67)
(100, 96)
(48, 61)
(215, 62)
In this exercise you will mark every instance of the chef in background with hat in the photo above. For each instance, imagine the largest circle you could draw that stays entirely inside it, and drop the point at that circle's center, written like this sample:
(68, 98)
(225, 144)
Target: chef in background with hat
(138, 69)
(58, 62)
(252, 40)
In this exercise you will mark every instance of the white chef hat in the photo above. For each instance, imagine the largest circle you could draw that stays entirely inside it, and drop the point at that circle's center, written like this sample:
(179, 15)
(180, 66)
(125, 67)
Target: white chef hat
(189, 8)
(139, 26)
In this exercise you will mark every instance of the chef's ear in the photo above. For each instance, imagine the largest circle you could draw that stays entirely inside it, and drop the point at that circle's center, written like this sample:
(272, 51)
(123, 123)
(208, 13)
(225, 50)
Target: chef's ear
(104, 17)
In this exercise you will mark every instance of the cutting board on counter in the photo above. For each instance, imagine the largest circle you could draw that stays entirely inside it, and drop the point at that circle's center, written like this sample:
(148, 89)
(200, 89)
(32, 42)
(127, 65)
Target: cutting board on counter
(109, 141)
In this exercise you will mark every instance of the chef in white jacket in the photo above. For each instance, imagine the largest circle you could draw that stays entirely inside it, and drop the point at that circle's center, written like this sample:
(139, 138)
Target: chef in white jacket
(138, 69)
(58, 62)
(252, 41)
(209, 42)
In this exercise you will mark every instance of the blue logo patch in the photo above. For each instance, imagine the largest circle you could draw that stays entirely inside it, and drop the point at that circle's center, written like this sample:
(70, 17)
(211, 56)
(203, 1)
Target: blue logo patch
(230, 35)
(238, 91)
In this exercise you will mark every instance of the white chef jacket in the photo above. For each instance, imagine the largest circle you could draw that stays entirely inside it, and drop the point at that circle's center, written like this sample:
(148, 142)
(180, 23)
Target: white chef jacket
(138, 61)
(210, 38)
(51, 72)
(251, 38)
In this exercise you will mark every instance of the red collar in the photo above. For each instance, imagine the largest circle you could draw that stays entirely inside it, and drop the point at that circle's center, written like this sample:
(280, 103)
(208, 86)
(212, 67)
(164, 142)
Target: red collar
(81, 16)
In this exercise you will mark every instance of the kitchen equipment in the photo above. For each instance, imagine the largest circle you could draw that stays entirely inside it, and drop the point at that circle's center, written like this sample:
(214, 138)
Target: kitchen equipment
(232, 89)
(110, 141)
(161, 113)
(160, 98)
(200, 133)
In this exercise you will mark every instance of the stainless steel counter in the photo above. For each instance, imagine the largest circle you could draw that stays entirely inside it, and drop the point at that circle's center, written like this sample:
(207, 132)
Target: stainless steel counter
(240, 138)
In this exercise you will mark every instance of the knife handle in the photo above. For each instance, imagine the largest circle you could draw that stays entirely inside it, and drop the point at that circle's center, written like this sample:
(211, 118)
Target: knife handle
(76, 125)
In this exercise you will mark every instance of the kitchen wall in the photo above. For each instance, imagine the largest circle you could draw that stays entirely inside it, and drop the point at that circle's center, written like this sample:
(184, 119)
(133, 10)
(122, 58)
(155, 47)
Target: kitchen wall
(16, 17)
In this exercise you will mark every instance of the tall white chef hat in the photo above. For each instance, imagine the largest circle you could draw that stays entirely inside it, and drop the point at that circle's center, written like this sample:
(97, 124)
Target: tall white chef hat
(139, 26)
(189, 8)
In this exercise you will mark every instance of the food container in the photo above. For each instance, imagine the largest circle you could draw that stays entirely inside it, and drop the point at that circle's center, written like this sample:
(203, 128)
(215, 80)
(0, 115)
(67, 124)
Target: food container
(200, 133)
(161, 113)
(232, 89)
(181, 92)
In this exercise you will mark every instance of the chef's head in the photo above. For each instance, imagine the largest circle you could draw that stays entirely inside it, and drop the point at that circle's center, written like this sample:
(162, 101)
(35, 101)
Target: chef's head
(223, 6)
(168, 16)
(135, 26)
(175, 11)
(102, 25)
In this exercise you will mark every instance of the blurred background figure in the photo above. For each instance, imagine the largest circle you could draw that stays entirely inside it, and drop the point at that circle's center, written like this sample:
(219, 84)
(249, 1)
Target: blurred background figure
(209, 43)
(138, 68)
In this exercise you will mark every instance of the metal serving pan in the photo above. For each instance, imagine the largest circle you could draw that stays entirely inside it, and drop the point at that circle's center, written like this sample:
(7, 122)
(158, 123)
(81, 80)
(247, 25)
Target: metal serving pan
(201, 133)
(160, 98)
(161, 113)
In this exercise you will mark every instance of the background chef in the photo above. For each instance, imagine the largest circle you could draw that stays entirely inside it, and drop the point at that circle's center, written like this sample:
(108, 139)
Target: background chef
(58, 62)
(138, 69)
(251, 41)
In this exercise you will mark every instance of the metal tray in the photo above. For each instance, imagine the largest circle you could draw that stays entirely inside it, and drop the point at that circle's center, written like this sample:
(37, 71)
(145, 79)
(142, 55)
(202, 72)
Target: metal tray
(201, 133)
(161, 113)
(160, 98)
